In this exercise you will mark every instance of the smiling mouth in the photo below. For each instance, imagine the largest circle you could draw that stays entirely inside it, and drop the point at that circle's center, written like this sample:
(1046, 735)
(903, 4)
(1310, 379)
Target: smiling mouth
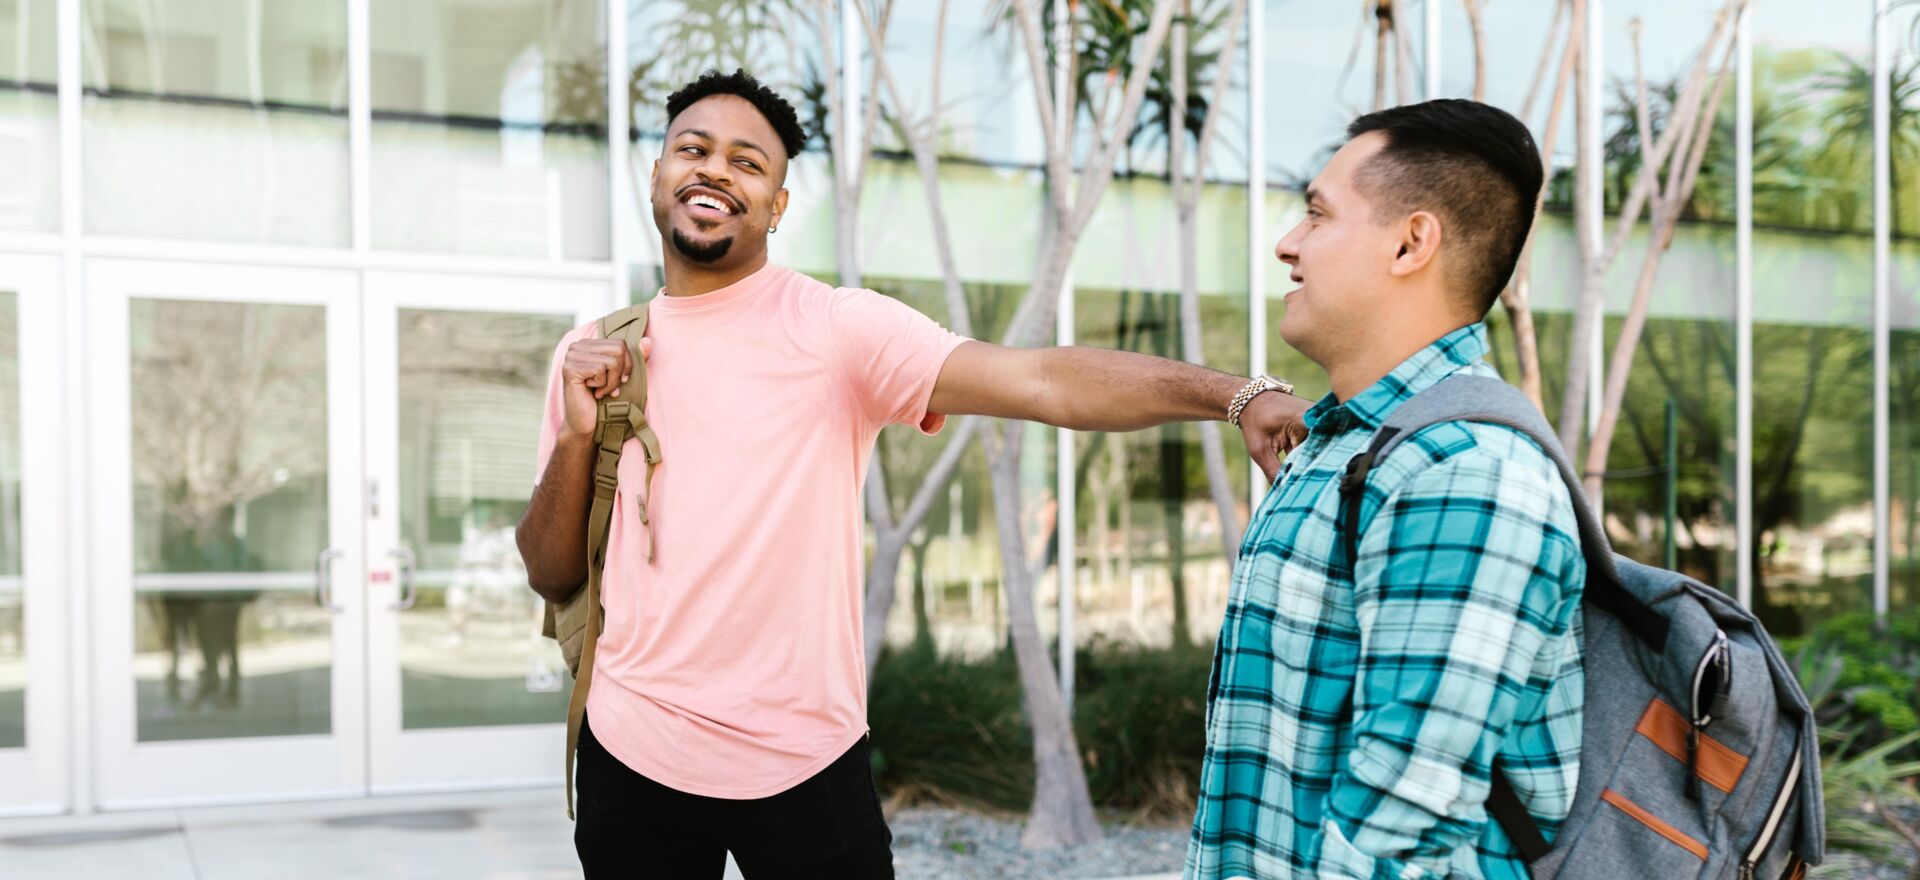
(707, 206)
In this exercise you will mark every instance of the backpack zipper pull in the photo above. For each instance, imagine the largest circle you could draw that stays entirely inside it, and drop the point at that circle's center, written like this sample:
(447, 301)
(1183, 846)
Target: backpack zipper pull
(1712, 678)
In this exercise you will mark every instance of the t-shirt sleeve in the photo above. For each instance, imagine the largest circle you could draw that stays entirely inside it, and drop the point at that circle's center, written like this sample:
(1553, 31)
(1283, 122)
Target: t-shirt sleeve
(890, 356)
(553, 416)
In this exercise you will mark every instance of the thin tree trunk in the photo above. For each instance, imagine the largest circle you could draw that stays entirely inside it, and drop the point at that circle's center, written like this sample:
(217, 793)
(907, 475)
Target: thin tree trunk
(1062, 812)
(893, 534)
(1383, 41)
(1403, 64)
(1476, 10)
(1187, 191)
(1560, 8)
(1681, 178)
(890, 535)
(1587, 305)
(1596, 256)
(1517, 298)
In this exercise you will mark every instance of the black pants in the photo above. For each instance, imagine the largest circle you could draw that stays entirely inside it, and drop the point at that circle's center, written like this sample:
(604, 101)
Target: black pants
(629, 826)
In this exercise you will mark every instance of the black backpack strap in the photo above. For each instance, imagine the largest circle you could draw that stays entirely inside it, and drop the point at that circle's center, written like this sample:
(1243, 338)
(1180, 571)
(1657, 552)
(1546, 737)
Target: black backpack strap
(1504, 805)
(1491, 401)
(1353, 493)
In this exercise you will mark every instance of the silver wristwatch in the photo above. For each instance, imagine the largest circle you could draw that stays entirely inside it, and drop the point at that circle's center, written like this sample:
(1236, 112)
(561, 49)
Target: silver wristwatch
(1260, 385)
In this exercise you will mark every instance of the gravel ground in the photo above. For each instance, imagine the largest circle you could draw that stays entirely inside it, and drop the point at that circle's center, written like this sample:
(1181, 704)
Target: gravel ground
(942, 844)
(1853, 866)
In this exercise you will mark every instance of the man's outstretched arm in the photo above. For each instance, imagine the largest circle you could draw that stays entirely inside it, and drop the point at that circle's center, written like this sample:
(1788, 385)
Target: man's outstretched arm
(1093, 389)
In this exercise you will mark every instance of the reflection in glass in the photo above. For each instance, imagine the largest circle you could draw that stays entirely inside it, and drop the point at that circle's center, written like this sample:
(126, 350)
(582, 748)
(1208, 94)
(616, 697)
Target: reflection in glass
(13, 655)
(1904, 440)
(1319, 77)
(1685, 354)
(1152, 538)
(1904, 384)
(1153, 565)
(29, 118)
(472, 387)
(229, 427)
(1813, 289)
(949, 595)
(223, 119)
(987, 104)
(489, 127)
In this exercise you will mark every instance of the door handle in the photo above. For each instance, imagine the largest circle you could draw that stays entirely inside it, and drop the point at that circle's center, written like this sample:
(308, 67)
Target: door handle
(323, 579)
(408, 592)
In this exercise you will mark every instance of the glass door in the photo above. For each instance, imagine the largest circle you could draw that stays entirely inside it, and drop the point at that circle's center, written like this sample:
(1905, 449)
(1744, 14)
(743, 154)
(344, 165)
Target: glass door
(464, 691)
(33, 670)
(227, 532)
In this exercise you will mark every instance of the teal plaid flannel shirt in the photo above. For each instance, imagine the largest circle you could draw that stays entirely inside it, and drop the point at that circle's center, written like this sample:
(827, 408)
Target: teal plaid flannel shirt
(1354, 717)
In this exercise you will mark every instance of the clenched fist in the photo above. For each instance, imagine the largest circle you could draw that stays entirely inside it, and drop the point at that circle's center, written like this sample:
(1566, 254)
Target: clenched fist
(594, 369)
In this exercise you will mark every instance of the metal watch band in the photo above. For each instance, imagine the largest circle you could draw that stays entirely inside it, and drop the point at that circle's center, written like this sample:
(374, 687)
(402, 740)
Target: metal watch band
(1258, 385)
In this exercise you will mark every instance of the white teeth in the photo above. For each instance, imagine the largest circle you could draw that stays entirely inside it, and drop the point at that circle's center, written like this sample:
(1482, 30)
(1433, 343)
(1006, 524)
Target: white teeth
(710, 202)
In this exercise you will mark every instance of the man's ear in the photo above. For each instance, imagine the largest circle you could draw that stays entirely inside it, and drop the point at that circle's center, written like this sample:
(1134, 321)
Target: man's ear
(1419, 244)
(653, 176)
(779, 206)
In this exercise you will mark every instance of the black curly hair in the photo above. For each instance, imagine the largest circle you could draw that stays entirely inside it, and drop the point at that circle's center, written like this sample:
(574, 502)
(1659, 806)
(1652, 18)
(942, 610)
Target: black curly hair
(741, 84)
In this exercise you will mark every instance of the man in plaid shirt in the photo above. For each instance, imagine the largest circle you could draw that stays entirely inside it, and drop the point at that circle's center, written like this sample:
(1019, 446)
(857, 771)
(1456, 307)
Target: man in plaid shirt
(1356, 712)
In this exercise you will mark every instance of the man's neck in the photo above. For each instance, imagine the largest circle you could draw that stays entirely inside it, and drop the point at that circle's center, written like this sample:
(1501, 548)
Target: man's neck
(687, 278)
(1380, 356)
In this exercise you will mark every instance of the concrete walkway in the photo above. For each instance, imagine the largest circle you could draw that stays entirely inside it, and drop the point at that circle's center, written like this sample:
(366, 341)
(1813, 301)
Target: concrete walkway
(494, 835)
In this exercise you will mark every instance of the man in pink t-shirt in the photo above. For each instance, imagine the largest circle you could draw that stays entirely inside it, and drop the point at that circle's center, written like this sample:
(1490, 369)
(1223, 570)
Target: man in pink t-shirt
(728, 711)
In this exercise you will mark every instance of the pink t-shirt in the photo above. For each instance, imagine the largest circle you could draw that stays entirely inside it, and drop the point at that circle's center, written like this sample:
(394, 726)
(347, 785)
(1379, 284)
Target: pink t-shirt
(731, 666)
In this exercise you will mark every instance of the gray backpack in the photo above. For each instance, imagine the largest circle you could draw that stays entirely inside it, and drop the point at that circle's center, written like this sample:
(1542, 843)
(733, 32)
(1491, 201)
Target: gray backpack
(1698, 757)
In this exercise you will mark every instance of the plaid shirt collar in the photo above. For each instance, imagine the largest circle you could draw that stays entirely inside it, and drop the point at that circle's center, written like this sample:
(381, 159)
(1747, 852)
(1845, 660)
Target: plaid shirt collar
(1370, 408)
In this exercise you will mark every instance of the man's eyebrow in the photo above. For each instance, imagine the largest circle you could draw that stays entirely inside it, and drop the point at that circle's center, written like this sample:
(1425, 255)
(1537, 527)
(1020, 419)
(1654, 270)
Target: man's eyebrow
(1314, 195)
(699, 133)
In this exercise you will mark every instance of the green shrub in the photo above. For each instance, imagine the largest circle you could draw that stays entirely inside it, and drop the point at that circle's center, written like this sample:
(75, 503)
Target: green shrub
(1863, 678)
(953, 731)
(1140, 715)
(950, 731)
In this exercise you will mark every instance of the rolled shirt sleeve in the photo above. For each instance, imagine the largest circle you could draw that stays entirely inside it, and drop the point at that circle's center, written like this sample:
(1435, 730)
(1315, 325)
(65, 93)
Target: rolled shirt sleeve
(1459, 585)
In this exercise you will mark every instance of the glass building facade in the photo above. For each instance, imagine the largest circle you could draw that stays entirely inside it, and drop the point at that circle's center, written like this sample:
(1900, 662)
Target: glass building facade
(279, 283)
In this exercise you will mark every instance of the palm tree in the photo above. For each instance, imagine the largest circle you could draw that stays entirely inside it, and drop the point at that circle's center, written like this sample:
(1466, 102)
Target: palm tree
(1843, 94)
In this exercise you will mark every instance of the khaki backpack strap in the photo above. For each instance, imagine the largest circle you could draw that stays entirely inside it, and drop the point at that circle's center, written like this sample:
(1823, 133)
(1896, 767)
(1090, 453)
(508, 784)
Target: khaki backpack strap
(609, 436)
(577, 701)
(620, 418)
(634, 392)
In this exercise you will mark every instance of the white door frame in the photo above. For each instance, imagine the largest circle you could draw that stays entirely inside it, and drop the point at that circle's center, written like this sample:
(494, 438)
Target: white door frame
(37, 774)
(448, 758)
(131, 774)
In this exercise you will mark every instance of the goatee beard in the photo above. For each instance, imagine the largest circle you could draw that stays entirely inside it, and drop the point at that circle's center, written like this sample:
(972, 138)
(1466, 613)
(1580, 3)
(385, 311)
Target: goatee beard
(700, 252)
